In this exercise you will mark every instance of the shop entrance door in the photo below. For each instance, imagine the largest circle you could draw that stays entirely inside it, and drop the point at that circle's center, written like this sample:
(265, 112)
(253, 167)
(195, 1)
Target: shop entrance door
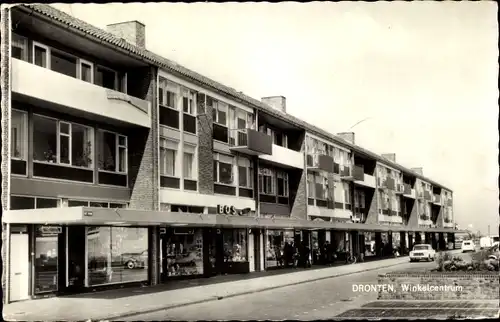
(251, 252)
(75, 258)
(19, 267)
(214, 251)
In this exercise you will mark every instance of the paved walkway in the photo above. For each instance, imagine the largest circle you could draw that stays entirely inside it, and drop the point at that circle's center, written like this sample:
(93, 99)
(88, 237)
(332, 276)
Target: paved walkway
(109, 305)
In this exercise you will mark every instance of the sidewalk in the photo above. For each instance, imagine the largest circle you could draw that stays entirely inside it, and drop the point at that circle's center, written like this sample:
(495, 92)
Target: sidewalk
(108, 305)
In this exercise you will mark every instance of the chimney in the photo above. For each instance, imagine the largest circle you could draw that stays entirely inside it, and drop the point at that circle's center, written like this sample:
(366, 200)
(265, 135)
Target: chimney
(276, 102)
(133, 32)
(390, 156)
(418, 170)
(348, 136)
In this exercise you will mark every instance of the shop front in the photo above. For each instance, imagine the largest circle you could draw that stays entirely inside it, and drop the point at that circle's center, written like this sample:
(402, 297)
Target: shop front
(279, 248)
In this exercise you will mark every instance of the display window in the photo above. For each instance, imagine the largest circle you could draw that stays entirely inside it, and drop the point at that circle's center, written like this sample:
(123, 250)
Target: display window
(117, 255)
(46, 259)
(235, 245)
(279, 244)
(184, 252)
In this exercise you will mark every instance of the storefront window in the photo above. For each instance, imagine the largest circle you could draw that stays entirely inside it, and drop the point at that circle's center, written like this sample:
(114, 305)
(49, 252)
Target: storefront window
(370, 249)
(46, 249)
(117, 255)
(235, 245)
(276, 247)
(184, 252)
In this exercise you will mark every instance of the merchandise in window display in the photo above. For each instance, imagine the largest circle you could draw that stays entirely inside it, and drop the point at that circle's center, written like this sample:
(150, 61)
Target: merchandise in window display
(235, 245)
(185, 254)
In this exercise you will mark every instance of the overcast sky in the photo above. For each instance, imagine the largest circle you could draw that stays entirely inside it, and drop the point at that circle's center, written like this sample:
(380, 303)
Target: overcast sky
(424, 73)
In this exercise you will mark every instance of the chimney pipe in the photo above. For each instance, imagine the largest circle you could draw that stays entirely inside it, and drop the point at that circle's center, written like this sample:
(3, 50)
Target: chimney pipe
(276, 102)
(133, 32)
(390, 156)
(348, 136)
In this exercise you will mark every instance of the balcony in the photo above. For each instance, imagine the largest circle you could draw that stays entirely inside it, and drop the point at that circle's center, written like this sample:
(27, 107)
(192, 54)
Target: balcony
(437, 200)
(86, 99)
(390, 219)
(448, 223)
(320, 162)
(427, 195)
(449, 202)
(367, 181)
(251, 142)
(408, 192)
(285, 157)
(390, 183)
(346, 173)
(399, 189)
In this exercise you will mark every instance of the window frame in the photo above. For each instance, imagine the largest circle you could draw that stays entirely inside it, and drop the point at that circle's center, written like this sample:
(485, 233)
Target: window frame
(69, 135)
(59, 200)
(116, 82)
(163, 83)
(216, 159)
(192, 165)
(217, 109)
(248, 172)
(117, 149)
(164, 147)
(285, 183)
(311, 193)
(79, 70)
(47, 56)
(273, 181)
(25, 133)
(25, 44)
(191, 97)
(347, 194)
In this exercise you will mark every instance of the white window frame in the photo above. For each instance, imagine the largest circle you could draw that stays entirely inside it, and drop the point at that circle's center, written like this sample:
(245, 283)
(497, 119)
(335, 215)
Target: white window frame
(79, 70)
(282, 175)
(347, 194)
(248, 170)
(25, 45)
(47, 56)
(69, 135)
(164, 146)
(311, 193)
(190, 94)
(117, 156)
(36, 197)
(217, 108)
(193, 160)
(164, 85)
(217, 180)
(267, 172)
(24, 153)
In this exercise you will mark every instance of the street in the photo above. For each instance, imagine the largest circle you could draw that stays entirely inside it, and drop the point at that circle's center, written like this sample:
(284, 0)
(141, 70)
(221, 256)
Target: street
(310, 301)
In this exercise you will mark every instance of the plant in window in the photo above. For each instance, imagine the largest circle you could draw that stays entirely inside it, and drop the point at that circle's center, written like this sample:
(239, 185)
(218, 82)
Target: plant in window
(50, 156)
(108, 164)
(84, 159)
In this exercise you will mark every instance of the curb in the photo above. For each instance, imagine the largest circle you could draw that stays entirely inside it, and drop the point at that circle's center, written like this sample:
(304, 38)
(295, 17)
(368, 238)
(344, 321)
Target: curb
(216, 298)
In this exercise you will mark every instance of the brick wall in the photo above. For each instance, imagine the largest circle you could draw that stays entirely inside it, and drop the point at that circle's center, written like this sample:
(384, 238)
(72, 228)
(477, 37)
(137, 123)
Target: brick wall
(475, 286)
(298, 208)
(205, 152)
(143, 149)
(440, 218)
(413, 220)
(5, 106)
(372, 216)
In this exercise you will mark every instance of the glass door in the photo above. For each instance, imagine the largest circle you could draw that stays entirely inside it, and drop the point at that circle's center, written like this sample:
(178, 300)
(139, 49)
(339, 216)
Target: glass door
(76, 255)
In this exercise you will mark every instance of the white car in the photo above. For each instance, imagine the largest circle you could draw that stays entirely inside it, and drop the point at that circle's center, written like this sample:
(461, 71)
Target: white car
(422, 252)
(468, 246)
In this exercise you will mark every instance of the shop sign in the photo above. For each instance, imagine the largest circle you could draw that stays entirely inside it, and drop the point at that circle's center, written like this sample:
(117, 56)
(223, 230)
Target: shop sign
(50, 230)
(183, 231)
(88, 213)
(227, 210)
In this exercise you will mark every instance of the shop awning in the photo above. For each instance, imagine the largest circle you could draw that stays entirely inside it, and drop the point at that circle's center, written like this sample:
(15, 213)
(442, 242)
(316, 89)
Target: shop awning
(133, 217)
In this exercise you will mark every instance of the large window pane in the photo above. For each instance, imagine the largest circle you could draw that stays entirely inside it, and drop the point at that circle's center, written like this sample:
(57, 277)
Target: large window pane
(188, 165)
(107, 151)
(77, 203)
(63, 63)
(18, 135)
(280, 248)
(225, 173)
(235, 245)
(184, 254)
(44, 139)
(46, 203)
(17, 203)
(81, 146)
(64, 148)
(40, 56)
(117, 255)
(46, 246)
(243, 176)
(105, 78)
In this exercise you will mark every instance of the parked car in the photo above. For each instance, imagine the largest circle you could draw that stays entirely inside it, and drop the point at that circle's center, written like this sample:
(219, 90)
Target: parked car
(422, 252)
(468, 246)
(135, 260)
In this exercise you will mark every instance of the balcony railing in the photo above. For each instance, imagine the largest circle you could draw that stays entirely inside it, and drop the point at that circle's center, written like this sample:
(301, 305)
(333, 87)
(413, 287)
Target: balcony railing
(427, 195)
(449, 202)
(399, 188)
(390, 183)
(320, 162)
(346, 173)
(358, 173)
(437, 199)
(406, 189)
(251, 142)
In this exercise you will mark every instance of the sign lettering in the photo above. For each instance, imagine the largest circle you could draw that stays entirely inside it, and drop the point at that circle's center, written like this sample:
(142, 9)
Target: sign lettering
(226, 210)
(50, 230)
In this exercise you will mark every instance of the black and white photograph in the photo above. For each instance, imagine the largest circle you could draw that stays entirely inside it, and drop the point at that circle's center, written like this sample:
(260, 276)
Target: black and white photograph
(249, 161)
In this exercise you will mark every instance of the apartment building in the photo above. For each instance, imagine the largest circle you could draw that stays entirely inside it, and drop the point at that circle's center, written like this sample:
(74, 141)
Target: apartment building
(120, 167)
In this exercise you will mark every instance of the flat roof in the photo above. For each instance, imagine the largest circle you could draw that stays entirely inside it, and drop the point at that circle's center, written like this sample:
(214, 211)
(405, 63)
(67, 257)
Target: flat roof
(132, 217)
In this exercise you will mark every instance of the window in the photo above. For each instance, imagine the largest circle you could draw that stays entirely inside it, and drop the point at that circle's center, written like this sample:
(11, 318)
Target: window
(188, 161)
(310, 185)
(46, 260)
(62, 142)
(182, 244)
(86, 71)
(168, 93)
(112, 152)
(41, 55)
(223, 169)
(220, 112)
(188, 102)
(19, 47)
(347, 193)
(280, 139)
(168, 158)
(282, 183)
(235, 245)
(267, 181)
(19, 135)
(62, 63)
(106, 77)
(320, 187)
(117, 255)
(245, 173)
(105, 204)
(22, 202)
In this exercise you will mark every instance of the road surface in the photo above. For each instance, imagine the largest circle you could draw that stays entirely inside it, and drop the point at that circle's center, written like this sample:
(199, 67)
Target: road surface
(322, 299)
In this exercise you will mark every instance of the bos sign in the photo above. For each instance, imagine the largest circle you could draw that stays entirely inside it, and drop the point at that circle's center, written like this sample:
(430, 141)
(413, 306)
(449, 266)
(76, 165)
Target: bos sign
(227, 210)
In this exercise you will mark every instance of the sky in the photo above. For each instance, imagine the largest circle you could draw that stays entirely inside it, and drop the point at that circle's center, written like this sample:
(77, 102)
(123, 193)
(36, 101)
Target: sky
(423, 75)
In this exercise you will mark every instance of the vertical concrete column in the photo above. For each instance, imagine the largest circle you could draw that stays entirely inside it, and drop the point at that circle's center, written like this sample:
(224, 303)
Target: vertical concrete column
(418, 238)
(154, 244)
(378, 243)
